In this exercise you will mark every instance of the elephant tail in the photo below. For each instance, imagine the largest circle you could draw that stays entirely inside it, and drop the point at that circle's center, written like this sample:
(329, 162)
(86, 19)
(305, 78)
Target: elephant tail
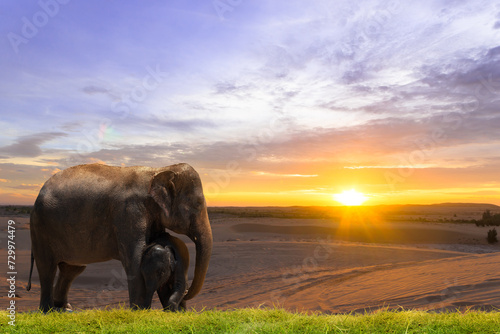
(28, 288)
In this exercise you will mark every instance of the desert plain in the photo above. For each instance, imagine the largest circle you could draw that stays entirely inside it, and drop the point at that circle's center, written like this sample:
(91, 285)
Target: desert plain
(312, 259)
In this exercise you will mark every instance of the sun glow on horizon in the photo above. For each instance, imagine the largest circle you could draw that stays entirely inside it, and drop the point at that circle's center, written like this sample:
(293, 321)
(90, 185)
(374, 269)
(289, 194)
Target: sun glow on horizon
(350, 198)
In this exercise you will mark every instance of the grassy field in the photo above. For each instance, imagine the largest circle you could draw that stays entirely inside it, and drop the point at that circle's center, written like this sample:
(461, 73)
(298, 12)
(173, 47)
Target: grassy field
(251, 321)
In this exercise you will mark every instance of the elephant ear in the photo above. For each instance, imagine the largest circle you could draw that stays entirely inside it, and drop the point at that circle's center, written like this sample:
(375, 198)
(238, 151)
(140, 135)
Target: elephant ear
(162, 190)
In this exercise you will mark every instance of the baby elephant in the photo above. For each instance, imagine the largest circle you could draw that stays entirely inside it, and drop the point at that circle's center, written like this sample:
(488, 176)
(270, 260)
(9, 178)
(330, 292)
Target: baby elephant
(164, 266)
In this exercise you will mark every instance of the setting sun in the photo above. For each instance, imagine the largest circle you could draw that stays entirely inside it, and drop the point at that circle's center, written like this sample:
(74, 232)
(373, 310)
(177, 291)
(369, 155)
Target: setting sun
(350, 198)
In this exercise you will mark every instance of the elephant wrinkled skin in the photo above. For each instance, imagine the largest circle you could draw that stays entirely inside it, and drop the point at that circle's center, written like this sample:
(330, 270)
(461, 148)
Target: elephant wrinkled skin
(94, 213)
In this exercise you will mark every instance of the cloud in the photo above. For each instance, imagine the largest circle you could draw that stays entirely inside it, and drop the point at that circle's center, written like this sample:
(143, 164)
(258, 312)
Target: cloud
(187, 125)
(17, 198)
(51, 170)
(94, 90)
(72, 126)
(29, 146)
(282, 175)
(230, 88)
(359, 83)
(155, 125)
(376, 143)
(24, 182)
(91, 90)
(27, 186)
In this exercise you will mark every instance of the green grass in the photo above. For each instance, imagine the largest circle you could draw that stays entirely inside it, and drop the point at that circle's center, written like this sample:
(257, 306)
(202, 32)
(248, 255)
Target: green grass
(251, 321)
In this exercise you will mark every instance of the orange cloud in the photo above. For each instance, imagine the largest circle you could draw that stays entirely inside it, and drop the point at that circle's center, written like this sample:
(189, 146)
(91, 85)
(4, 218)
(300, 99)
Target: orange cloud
(96, 160)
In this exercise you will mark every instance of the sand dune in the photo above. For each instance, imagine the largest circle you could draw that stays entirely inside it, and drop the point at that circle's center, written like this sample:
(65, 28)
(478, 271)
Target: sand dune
(312, 265)
(469, 281)
(390, 277)
(395, 233)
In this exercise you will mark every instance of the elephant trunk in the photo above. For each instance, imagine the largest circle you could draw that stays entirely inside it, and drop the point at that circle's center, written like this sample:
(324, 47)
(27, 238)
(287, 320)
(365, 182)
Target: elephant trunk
(202, 237)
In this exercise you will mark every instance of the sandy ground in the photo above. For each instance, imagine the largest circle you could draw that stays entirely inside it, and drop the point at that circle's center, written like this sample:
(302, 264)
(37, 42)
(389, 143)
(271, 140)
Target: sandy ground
(307, 265)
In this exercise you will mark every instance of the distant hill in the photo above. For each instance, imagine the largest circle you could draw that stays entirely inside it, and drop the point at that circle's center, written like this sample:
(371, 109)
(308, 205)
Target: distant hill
(15, 210)
(482, 205)
(460, 205)
(440, 210)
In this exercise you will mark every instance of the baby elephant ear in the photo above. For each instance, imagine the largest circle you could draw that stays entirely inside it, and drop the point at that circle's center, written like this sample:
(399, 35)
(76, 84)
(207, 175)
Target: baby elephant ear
(162, 190)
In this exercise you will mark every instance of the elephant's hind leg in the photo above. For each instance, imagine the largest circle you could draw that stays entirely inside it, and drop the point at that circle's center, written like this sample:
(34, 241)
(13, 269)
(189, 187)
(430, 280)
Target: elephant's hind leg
(47, 273)
(67, 274)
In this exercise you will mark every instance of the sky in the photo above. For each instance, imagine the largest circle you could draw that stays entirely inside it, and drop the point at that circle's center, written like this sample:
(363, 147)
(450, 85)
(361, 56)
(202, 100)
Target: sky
(272, 102)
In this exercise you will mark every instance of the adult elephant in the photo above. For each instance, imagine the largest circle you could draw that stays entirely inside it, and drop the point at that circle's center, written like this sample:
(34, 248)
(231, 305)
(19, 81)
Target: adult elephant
(94, 213)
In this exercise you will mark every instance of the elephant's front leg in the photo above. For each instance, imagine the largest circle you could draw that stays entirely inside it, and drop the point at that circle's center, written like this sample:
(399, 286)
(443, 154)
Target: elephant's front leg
(136, 285)
(137, 293)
